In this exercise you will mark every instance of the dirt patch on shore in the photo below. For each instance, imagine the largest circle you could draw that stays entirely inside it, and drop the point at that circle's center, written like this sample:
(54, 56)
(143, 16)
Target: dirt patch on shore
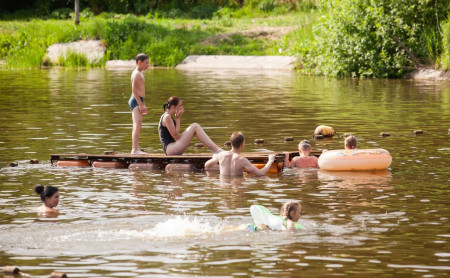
(269, 33)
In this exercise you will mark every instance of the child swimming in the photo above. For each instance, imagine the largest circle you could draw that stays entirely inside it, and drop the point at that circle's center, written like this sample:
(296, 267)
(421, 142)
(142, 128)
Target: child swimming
(304, 160)
(288, 219)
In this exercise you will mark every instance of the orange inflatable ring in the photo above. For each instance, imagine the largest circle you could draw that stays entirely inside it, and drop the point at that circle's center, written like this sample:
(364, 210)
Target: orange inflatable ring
(355, 160)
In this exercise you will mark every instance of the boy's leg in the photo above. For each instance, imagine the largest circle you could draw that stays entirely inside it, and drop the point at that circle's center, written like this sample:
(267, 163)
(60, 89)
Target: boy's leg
(186, 137)
(137, 126)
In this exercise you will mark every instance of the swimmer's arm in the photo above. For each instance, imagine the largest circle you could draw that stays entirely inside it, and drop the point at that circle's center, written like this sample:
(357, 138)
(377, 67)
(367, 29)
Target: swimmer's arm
(262, 171)
(316, 161)
(213, 161)
(290, 225)
(173, 130)
(286, 160)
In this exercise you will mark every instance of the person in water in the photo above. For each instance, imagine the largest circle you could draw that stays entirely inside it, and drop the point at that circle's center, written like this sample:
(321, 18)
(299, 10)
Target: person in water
(290, 211)
(173, 142)
(264, 219)
(50, 198)
(304, 160)
(231, 163)
(350, 142)
(136, 101)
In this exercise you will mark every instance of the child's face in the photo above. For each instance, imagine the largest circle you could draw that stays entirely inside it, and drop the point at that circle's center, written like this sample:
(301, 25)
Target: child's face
(295, 215)
(145, 64)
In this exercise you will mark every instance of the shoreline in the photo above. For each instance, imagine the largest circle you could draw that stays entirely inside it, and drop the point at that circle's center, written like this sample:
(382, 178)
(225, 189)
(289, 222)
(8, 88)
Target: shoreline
(428, 74)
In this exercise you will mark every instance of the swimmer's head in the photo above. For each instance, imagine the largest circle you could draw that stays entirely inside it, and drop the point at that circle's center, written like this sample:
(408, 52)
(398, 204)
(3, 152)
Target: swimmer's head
(291, 210)
(304, 146)
(172, 101)
(350, 142)
(49, 195)
(237, 139)
(141, 57)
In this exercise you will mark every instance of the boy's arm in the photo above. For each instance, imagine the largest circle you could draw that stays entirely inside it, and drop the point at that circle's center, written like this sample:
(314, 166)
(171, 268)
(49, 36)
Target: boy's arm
(262, 171)
(316, 161)
(213, 161)
(286, 160)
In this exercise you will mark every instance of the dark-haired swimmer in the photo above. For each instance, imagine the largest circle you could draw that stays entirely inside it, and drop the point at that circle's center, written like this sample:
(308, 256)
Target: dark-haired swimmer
(174, 142)
(50, 198)
(231, 163)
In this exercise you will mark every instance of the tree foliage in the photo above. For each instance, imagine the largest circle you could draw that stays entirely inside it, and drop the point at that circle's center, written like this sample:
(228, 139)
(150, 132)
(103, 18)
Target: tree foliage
(380, 38)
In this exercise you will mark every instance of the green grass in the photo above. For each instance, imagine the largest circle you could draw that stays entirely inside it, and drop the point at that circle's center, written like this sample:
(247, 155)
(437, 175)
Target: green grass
(167, 41)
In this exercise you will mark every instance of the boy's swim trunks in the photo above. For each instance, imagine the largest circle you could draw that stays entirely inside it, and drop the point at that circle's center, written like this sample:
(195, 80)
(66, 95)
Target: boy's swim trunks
(132, 102)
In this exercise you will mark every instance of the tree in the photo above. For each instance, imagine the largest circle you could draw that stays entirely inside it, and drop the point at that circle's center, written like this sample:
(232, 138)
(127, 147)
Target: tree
(77, 12)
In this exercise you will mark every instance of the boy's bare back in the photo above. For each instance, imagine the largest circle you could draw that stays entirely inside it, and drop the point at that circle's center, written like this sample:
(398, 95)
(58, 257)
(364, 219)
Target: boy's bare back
(304, 161)
(232, 164)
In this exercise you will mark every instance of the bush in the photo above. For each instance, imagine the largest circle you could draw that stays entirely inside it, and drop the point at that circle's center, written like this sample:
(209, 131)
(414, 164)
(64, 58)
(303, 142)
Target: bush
(445, 58)
(381, 38)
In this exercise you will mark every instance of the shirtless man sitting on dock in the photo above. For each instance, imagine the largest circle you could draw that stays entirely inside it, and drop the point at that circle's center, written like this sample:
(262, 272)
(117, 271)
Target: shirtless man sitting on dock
(231, 163)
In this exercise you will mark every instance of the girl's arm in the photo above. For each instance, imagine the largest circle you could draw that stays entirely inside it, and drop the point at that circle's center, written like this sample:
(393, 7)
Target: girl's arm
(290, 225)
(173, 130)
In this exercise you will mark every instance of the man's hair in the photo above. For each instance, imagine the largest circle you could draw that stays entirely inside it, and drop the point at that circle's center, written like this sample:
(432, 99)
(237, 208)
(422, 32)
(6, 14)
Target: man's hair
(237, 138)
(141, 57)
(351, 141)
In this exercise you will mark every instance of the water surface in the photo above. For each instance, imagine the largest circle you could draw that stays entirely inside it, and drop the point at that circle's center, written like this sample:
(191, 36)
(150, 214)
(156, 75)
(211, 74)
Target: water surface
(119, 223)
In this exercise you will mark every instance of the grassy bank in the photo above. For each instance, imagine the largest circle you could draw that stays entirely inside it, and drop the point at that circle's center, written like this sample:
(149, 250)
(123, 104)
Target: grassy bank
(335, 37)
(168, 41)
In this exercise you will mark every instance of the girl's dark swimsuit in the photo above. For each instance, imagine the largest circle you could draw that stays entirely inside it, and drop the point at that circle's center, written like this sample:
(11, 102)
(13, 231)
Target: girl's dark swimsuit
(132, 102)
(164, 134)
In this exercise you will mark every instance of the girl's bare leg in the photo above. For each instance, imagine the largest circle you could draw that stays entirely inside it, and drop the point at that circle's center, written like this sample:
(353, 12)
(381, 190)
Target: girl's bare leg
(179, 146)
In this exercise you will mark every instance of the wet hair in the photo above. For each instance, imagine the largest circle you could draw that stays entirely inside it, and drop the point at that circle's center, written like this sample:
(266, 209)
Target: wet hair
(289, 207)
(237, 138)
(45, 191)
(172, 101)
(141, 57)
(304, 146)
(351, 142)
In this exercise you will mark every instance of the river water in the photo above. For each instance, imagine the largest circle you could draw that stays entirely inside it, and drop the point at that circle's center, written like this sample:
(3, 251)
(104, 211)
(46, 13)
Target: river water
(120, 223)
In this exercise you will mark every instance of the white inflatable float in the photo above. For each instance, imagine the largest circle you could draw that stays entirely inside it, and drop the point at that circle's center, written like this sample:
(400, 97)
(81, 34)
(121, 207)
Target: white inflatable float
(355, 160)
(263, 217)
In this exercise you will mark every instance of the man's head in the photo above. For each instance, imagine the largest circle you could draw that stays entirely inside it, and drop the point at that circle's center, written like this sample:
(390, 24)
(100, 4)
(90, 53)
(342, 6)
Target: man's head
(237, 139)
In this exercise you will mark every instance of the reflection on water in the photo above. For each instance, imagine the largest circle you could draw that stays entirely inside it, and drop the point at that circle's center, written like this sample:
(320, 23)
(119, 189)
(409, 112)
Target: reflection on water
(121, 223)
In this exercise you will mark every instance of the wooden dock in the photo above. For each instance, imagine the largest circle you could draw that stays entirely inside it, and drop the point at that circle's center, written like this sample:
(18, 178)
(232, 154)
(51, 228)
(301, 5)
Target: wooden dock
(196, 162)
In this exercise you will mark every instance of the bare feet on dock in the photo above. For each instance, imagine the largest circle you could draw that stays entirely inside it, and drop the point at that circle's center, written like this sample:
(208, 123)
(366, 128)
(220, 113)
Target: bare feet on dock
(138, 152)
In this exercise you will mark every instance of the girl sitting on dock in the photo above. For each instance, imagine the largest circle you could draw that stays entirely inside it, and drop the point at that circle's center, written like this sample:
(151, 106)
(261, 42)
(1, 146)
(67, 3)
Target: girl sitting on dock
(172, 141)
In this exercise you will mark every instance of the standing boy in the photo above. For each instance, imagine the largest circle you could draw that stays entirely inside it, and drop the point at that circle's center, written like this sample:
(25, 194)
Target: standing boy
(231, 163)
(136, 101)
